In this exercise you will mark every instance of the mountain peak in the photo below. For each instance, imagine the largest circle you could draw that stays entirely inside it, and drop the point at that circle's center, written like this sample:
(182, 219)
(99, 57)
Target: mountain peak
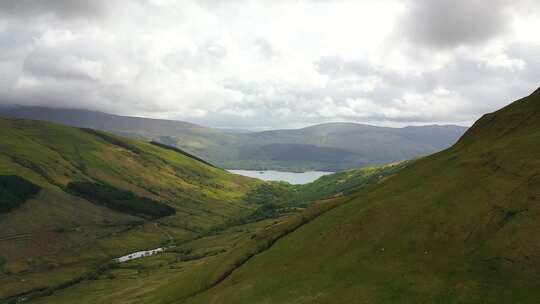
(536, 92)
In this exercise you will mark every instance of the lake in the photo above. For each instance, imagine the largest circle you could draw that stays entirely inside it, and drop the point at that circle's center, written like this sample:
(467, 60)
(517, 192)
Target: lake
(290, 177)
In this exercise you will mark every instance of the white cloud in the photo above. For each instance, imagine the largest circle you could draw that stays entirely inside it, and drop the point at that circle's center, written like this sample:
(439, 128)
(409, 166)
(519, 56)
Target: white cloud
(271, 64)
(441, 91)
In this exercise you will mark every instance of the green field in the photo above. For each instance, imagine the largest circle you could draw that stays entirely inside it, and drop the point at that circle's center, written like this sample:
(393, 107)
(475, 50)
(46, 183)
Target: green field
(459, 226)
(102, 196)
(56, 237)
(188, 269)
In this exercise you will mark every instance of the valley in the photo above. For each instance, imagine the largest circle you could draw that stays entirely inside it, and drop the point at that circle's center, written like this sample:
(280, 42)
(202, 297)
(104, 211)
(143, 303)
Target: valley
(67, 236)
(99, 197)
(269, 152)
(458, 226)
(368, 234)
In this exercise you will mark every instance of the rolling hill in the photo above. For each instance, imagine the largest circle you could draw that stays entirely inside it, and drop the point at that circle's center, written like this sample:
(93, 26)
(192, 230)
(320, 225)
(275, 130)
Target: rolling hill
(73, 199)
(329, 147)
(192, 266)
(459, 226)
(207, 143)
(341, 146)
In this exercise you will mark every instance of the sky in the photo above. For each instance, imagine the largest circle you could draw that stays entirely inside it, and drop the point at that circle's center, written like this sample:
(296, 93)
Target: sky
(272, 64)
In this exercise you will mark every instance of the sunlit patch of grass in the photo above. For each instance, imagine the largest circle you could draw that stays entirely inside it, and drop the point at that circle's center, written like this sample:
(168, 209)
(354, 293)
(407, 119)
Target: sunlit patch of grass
(57, 233)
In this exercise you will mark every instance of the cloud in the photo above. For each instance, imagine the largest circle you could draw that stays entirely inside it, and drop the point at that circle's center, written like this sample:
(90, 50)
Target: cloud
(451, 23)
(270, 64)
(58, 8)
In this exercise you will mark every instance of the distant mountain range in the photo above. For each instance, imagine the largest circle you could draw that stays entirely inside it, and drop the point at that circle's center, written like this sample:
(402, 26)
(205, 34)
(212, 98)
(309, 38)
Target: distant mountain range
(328, 147)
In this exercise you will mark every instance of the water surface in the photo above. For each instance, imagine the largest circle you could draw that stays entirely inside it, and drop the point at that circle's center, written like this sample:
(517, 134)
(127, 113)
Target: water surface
(290, 177)
(139, 254)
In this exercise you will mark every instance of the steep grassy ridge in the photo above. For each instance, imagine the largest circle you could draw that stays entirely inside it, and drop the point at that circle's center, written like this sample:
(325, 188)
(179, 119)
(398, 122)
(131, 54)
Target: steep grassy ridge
(459, 226)
(56, 236)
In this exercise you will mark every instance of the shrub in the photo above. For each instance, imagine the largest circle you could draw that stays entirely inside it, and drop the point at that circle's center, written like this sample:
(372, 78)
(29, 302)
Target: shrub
(269, 193)
(14, 191)
(120, 200)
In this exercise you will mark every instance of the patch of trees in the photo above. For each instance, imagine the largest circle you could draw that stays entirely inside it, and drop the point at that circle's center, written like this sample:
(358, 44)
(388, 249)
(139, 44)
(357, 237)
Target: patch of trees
(271, 193)
(14, 191)
(120, 200)
(266, 211)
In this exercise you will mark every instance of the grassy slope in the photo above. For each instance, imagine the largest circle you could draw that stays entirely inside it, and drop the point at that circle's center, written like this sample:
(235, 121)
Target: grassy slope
(348, 182)
(196, 265)
(345, 183)
(55, 236)
(459, 226)
(188, 269)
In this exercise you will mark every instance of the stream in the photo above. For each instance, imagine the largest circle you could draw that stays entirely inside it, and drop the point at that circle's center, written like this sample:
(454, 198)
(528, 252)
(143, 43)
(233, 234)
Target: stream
(139, 254)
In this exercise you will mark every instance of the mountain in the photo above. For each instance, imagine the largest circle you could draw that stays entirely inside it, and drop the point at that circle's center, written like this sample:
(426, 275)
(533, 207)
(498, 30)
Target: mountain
(459, 226)
(207, 143)
(329, 147)
(188, 267)
(339, 146)
(73, 199)
(103, 121)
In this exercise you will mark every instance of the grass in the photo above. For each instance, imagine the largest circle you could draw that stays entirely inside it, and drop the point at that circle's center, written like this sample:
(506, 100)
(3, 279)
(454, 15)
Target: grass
(61, 239)
(57, 235)
(196, 266)
(455, 227)
(459, 226)
(333, 185)
(191, 267)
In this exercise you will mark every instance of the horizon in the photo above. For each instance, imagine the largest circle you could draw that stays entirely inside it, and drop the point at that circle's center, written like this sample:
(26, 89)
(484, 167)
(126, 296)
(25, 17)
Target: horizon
(232, 129)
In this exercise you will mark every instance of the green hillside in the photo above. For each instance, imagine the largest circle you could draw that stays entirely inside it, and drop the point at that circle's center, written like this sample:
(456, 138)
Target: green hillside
(459, 226)
(343, 183)
(324, 147)
(202, 259)
(455, 227)
(100, 196)
(339, 146)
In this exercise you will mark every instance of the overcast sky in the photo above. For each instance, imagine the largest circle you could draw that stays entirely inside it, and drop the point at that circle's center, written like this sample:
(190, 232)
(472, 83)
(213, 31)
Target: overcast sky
(272, 64)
